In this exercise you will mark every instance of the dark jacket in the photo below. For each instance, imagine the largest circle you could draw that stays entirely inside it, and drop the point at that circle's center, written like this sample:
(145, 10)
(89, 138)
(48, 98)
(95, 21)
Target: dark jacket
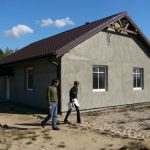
(73, 93)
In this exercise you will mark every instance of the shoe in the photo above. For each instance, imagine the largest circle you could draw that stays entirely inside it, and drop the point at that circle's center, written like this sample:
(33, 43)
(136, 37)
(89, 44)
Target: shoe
(56, 128)
(67, 122)
(42, 124)
(79, 122)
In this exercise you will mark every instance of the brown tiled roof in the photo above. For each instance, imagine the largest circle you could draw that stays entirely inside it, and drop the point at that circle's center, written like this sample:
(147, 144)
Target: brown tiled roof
(63, 42)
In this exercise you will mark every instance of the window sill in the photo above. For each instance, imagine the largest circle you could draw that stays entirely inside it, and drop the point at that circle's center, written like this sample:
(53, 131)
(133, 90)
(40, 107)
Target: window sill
(30, 90)
(99, 90)
(137, 89)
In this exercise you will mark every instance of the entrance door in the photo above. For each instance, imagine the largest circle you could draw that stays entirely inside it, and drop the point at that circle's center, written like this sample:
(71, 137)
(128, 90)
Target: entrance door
(7, 88)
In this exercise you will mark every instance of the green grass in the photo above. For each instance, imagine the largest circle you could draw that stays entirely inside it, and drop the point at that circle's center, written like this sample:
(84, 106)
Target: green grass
(119, 122)
(147, 128)
(137, 146)
(29, 142)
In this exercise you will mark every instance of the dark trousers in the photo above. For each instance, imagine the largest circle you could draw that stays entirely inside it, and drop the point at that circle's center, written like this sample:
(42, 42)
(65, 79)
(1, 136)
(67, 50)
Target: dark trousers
(78, 114)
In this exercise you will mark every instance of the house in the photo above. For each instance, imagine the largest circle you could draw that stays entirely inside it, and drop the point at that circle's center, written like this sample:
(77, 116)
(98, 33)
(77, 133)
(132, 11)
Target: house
(110, 57)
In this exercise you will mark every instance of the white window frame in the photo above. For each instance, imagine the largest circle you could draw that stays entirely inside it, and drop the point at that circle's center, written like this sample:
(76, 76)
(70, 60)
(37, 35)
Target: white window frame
(27, 79)
(141, 73)
(106, 77)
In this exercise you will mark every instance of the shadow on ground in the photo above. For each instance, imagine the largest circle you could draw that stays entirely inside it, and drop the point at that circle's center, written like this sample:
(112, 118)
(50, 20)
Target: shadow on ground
(15, 108)
(12, 127)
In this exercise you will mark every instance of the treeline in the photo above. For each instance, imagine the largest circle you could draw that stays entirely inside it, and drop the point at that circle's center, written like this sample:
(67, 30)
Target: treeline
(6, 52)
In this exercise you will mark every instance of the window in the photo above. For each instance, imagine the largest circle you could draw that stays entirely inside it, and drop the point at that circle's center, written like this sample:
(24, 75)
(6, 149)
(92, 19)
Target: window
(100, 78)
(29, 79)
(138, 78)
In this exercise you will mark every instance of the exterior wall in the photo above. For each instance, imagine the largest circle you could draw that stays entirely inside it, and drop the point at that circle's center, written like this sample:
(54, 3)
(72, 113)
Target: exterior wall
(120, 55)
(2, 88)
(44, 72)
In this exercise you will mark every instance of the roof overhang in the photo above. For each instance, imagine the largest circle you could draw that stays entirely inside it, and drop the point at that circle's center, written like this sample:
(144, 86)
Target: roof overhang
(6, 71)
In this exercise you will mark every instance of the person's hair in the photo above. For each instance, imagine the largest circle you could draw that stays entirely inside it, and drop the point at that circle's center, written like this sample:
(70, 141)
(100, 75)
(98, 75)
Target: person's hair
(55, 81)
(76, 82)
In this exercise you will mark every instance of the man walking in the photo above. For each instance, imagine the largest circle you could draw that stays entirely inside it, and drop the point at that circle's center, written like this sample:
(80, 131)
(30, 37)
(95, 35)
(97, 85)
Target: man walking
(52, 105)
(73, 102)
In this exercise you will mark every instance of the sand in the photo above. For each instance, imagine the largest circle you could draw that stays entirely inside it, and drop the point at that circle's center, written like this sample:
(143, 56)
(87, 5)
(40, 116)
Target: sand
(22, 130)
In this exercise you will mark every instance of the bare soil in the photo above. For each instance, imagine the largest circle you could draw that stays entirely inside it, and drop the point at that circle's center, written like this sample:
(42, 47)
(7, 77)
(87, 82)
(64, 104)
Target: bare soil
(119, 128)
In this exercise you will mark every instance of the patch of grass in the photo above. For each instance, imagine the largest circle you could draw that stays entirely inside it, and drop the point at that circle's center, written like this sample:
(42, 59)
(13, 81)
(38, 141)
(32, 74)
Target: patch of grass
(33, 138)
(84, 129)
(73, 126)
(47, 137)
(112, 122)
(2, 131)
(30, 132)
(61, 146)
(19, 135)
(147, 128)
(137, 146)
(45, 131)
(29, 142)
(119, 122)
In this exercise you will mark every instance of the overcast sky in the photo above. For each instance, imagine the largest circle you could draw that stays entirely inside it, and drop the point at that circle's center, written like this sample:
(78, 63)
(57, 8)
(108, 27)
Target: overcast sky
(25, 21)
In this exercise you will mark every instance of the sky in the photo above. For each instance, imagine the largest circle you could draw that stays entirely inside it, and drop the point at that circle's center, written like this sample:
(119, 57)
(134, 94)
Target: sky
(23, 22)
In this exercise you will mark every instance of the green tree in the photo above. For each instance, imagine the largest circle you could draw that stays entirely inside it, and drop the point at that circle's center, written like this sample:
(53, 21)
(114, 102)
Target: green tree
(7, 52)
(1, 53)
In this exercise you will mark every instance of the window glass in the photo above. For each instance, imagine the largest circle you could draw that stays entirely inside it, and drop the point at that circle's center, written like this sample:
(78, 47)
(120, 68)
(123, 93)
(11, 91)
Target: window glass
(99, 77)
(138, 78)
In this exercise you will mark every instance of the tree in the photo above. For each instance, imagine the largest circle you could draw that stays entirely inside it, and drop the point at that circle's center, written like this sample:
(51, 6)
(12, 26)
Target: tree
(8, 51)
(1, 53)
(5, 53)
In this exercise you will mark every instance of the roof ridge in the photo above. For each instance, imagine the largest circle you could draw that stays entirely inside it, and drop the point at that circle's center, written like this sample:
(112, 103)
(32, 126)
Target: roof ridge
(62, 42)
(124, 12)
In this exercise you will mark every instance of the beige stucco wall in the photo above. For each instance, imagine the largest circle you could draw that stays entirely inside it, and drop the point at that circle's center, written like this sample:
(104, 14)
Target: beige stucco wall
(120, 55)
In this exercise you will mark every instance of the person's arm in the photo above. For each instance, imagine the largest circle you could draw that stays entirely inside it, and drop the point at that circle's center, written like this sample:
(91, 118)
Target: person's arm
(70, 94)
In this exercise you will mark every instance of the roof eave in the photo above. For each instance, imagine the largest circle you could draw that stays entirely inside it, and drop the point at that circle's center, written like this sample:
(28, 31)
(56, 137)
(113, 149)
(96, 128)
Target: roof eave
(139, 31)
(51, 55)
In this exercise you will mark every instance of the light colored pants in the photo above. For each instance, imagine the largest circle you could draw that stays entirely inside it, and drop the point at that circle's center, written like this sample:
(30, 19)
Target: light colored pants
(52, 114)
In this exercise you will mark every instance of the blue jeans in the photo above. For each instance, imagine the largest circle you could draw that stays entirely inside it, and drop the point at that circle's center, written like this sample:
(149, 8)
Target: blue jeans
(52, 114)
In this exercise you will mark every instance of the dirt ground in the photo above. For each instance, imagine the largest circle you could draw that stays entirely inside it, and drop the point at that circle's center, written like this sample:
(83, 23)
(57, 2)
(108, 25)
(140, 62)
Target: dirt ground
(120, 128)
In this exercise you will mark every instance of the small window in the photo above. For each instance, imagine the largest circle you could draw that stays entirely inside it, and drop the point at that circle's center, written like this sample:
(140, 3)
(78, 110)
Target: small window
(100, 78)
(138, 78)
(29, 79)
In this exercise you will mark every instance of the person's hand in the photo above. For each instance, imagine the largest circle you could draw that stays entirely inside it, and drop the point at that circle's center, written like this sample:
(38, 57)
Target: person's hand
(49, 107)
(72, 104)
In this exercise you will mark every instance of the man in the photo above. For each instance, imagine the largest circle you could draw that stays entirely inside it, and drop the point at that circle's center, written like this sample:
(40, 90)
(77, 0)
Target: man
(52, 105)
(73, 102)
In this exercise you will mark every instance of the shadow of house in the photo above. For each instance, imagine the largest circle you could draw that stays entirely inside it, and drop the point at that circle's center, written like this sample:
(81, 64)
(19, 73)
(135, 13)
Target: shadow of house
(17, 108)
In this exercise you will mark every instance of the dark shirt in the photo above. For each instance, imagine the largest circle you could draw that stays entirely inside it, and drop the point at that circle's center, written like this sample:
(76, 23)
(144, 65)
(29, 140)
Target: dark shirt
(73, 93)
